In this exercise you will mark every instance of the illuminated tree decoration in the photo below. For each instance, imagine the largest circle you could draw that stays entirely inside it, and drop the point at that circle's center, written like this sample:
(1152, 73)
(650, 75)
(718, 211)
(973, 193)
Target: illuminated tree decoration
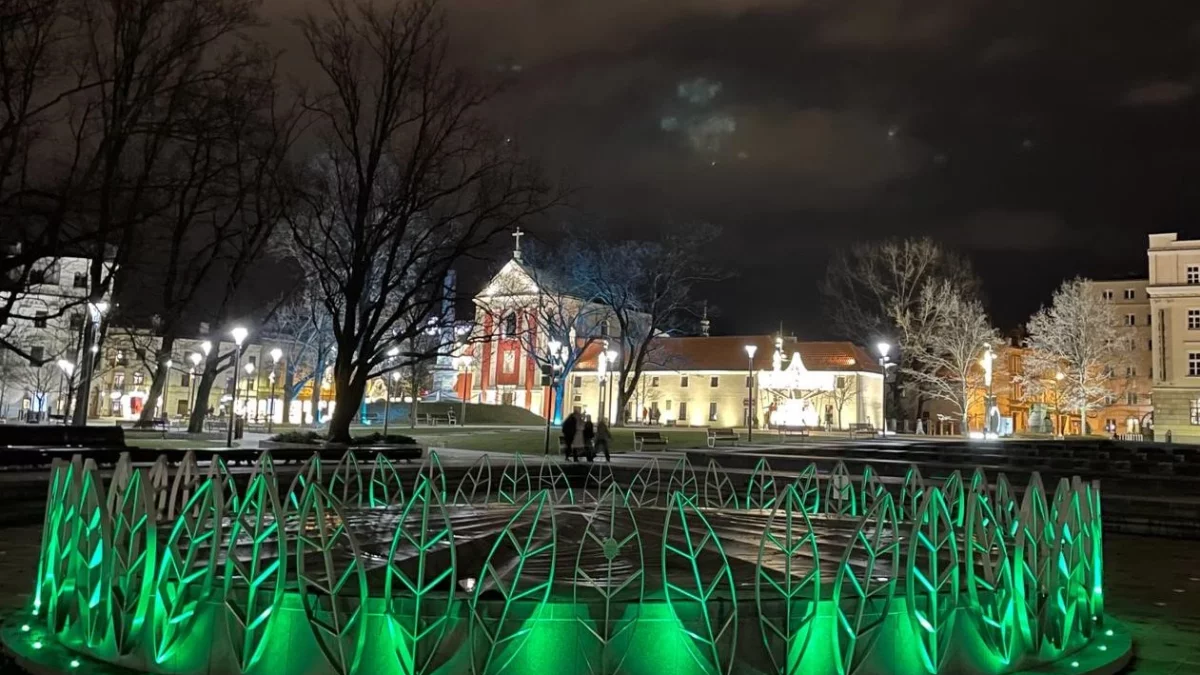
(121, 474)
(187, 475)
(185, 574)
(978, 482)
(386, 487)
(788, 574)
(333, 588)
(761, 494)
(476, 484)
(515, 485)
(552, 479)
(418, 587)
(217, 470)
(346, 483)
(611, 536)
(954, 497)
(644, 488)
(719, 492)
(158, 481)
(432, 469)
(92, 564)
(808, 486)
(255, 580)
(599, 478)
(682, 480)
(134, 558)
(990, 576)
(1091, 534)
(61, 568)
(872, 489)
(57, 498)
(1067, 588)
(1033, 559)
(309, 474)
(1005, 508)
(265, 466)
(712, 637)
(530, 539)
(865, 591)
(839, 492)
(932, 580)
(912, 493)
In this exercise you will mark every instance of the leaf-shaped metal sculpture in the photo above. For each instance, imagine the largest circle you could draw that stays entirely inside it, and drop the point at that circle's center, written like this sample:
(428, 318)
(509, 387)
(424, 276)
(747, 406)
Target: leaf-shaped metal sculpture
(761, 493)
(599, 478)
(346, 482)
(872, 489)
(187, 475)
(1067, 587)
(682, 480)
(419, 587)
(432, 470)
(386, 487)
(990, 576)
(476, 484)
(646, 484)
(92, 564)
(58, 528)
(701, 594)
(719, 492)
(333, 587)
(552, 479)
(158, 482)
(134, 560)
(265, 466)
(255, 569)
(185, 574)
(308, 474)
(520, 567)
(1032, 561)
(840, 495)
(933, 582)
(954, 497)
(515, 485)
(218, 470)
(788, 576)
(1091, 537)
(912, 493)
(864, 585)
(117, 482)
(611, 537)
(808, 486)
(1005, 508)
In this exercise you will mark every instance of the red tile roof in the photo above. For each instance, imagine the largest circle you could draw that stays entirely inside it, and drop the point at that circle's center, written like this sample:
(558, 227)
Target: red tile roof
(728, 352)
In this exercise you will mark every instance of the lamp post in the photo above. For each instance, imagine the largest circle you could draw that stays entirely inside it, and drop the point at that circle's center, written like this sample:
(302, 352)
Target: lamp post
(601, 379)
(750, 349)
(68, 369)
(555, 364)
(612, 358)
(195, 359)
(463, 363)
(1058, 430)
(991, 412)
(249, 386)
(97, 310)
(276, 354)
(239, 336)
(884, 348)
(387, 386)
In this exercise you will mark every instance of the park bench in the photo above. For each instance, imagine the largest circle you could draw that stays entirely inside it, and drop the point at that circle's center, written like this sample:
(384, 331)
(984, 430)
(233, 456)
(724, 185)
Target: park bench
(641, 439)
(15, 436)
(862, 429)
(722, 435)
(801, 431)
(433, 419)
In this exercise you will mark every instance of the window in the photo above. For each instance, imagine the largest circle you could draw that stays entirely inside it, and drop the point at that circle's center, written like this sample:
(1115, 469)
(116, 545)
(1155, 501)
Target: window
(1193, 364)
(714, 381)
(181, 408)
(76, 321)
(1193, 319)
(654, 381)
(1129, 294)
(118, 381)
(1130, 320)
(577, 398)
(39, 320)
(37, 352)
(1195, 412)
(683, 412)
(81, 282)
(251, 360)
(185, 380)
(604, 329)
(1132, 344)
(712, 411)
(668, 404)
(119, 359)
(138, 379)
(1193, 274)
(1107, 295)
(1149, 318)
(510, 325)
(1131, 398)
(577, 382)
(1130, 371)
(1150, 345)
(683, 381)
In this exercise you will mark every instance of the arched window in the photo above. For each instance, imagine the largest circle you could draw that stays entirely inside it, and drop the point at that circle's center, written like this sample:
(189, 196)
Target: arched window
(510, 325)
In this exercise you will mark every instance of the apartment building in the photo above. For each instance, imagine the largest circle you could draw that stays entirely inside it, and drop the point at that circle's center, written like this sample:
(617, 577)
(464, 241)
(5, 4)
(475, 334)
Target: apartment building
(1174, 291)
(1129, 410)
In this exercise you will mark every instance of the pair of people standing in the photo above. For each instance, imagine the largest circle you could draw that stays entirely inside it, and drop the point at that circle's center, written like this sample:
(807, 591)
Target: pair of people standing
(580, 436)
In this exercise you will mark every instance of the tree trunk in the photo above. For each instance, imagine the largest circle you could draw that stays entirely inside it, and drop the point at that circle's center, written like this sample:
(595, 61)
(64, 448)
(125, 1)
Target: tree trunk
(318, 379)
(289, 395)
(88, 362)
(348, 394)
(203, 392)
(158, 383)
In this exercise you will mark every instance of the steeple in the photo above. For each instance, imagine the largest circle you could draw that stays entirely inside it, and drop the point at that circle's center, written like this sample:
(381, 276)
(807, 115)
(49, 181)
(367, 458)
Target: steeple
(704, 322)
(517, 234)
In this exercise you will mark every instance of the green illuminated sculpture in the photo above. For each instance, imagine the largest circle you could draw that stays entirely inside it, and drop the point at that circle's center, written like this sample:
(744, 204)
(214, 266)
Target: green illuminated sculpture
(134, 559)
(187, 476)
(761, 494)
(865, 595)
(185, 574)
(309, 474)
(645, 486)
(386, 487)
(254, 583)
(719, 492)
(840, 493)
(683, 480)
(912, 493)
(476, 484)
(599, 478)
(515, 485)
(954, 497)
(788, 576)
(989, 575)
(346, 482)
(871, 489)
(808, 486)
(217, 470)
(931, 588)
(552, 479)
(1033, 562)
(432, 470)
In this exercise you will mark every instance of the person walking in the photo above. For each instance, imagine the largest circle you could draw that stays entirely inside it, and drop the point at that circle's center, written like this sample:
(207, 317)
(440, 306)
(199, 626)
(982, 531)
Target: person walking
(568, 434)
(603, 438)
(577, 438)
(589, 436)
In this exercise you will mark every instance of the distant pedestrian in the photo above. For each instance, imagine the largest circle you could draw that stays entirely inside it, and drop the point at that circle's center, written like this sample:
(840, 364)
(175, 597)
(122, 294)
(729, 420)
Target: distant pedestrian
(568, 433)
(577, 445)
(603, 438)
(589, 436)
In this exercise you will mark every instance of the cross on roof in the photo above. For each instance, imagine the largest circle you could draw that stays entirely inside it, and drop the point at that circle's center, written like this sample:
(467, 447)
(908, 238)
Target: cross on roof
(517, 234)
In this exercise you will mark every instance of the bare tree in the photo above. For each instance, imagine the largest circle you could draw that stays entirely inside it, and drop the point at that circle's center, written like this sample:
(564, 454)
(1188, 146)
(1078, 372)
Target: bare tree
(1080, 336)
(304, 332)
(407, 182)
(870, 284)
(844, 389)
(946, 334)
(649, 288)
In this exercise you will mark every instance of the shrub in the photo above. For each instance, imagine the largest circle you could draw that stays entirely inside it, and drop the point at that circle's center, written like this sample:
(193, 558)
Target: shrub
(378, 438)
(306, 437)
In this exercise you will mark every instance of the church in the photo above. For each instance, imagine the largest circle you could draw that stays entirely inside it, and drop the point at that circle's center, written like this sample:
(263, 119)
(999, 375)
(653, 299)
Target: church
(696, 381)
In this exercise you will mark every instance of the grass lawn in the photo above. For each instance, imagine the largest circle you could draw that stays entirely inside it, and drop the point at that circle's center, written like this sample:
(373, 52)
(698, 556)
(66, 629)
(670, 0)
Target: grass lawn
(172, 443)
(532, 441)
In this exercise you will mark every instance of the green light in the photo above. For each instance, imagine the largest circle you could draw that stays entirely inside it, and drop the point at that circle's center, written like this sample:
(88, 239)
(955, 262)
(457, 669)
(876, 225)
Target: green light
(1109, 632)
(74, 663)
(1103, 648)
(37, 644)
(25, 628)
(1074, 664)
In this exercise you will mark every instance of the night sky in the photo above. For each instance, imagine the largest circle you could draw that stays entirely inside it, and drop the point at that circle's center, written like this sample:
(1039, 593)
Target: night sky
(1042, 138)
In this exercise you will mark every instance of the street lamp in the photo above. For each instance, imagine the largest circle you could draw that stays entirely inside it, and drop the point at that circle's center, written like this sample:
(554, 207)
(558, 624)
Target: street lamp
(239, 336)
(612, 359)
(884, 348)
(68, 369)
(750, 349)
(601, 379)
(276, 354)
(463, 363)
(991, 412)
(389, 383)
(556, 356)
(249, 386)
(195, 358)
(1058, 423)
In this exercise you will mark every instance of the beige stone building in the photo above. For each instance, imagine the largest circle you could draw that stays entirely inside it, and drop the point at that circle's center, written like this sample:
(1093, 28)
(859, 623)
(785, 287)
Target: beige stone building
(1130, 410)
(1174, 291)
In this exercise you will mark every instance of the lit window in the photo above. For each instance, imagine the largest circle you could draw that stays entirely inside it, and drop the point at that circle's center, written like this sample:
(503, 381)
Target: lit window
(683, 412)
(578, 382)
(1130, 371)
(1107, 295)
(1130, 320)
(1193, 364)
(138, 379)
(654, 381)
(714, 381)
(1129, 294)
(712, 411)
(668, 404)
(1131, 398)
(1195, 412)
(683, 381)
(1193, 319)
(1193, 274)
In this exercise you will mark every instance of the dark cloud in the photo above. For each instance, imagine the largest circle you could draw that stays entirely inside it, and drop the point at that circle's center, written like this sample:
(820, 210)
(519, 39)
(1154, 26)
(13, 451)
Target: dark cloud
(1159, 92)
